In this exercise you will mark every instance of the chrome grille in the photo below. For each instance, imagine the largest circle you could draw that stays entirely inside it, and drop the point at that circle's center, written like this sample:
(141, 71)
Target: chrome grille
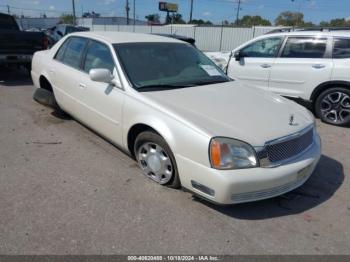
(286, 148)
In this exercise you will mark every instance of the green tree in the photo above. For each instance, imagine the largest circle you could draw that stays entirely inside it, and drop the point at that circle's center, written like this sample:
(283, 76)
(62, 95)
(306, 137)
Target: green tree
(200, 22)
(288, 18)
(338, 22)
(153, 18)
(248, 20)
(175, 18)
(308, 24)
(324, 23)
(66, 19)
(226, 23)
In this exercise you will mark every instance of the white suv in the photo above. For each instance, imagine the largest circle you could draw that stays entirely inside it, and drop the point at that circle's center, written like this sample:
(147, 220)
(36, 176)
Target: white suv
(308, 65)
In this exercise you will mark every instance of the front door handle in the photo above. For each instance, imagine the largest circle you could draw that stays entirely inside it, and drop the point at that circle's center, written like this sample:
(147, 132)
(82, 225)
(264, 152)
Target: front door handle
(265, 66)
(318, 66)
(82, 86)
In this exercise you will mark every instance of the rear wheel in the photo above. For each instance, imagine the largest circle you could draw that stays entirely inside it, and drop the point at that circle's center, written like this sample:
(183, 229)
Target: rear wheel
(156, 159)
(333, 106)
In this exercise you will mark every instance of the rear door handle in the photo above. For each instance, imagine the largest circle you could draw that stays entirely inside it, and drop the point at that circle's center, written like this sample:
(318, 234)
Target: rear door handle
(265, 66)
(82, 86)
(318, 66)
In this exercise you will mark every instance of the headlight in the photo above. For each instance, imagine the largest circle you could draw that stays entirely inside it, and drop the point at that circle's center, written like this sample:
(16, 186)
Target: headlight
(227, 153)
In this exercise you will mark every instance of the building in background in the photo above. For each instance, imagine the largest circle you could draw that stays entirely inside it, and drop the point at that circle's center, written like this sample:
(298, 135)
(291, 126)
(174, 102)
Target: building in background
(27, 23)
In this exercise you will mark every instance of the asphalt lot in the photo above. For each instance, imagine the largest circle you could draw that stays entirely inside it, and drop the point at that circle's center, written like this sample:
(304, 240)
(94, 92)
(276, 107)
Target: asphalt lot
(65, 190)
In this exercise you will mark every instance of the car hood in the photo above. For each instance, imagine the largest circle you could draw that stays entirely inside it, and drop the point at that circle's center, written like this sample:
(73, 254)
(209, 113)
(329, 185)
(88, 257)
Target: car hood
(233, 110)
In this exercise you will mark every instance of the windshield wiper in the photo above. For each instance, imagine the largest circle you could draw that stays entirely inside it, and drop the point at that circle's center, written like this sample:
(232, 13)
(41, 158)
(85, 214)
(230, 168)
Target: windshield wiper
(202, 83)
(156, 87)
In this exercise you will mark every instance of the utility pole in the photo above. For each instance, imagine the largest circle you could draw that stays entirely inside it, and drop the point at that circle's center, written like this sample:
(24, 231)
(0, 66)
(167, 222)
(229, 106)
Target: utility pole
(191, 11)
(127, 8)
(8, 9)
(73, 5)
(238, 9)
(134, 11)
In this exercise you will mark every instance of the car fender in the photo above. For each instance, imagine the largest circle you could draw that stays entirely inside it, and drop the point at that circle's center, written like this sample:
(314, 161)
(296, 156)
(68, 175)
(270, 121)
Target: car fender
(183, 139)
(320, 88)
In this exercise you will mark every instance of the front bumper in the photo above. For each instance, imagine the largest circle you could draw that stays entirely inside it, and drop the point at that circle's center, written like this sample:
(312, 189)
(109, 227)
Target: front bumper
(245, 185)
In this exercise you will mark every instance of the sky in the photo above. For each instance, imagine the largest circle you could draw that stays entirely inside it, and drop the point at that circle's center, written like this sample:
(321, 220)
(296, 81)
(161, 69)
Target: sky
(213, 10)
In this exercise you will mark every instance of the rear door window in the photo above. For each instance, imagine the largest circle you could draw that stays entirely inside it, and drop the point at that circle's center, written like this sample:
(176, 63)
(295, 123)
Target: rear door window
(60, 53)
(341, 48)
(305, 47)
(74, 50)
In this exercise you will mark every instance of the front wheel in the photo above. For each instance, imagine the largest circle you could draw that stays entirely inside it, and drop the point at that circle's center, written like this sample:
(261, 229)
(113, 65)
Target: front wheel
(156, 159)
(333, 106)
(45, 97)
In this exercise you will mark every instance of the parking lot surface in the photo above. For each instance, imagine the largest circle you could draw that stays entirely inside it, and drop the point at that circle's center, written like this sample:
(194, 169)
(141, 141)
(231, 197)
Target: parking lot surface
(65, 190)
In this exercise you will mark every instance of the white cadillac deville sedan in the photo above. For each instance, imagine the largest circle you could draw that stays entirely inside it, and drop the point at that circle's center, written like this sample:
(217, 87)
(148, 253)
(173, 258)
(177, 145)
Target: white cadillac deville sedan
(184, 121)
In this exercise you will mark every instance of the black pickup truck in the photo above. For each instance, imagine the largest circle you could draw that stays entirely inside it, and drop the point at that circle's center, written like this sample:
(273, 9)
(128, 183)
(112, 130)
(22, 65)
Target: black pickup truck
(17, 47)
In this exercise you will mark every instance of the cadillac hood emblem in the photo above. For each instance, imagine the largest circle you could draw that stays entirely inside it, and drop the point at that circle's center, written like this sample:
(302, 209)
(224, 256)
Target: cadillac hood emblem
(292, 120)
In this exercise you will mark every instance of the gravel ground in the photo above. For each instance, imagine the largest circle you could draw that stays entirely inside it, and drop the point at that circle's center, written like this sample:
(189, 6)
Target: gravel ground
(65, 190)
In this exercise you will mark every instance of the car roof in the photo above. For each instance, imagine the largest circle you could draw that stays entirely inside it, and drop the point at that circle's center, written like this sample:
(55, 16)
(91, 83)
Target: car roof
(179, 37)
(345, 33)
(125, 37)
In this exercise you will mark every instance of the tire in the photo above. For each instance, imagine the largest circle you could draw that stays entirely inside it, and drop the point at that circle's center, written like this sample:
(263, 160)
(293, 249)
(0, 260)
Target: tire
(333, 106)
(45, 97)
(156, 159)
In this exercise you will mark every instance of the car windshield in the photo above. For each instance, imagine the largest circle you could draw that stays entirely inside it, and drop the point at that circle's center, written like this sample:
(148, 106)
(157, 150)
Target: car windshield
(167, 66)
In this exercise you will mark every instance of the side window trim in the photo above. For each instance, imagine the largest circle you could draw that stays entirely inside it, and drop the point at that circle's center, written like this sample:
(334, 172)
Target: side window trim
(64, 46)
(83, 57)
(284, 39)
(283, 45)
(329, 48)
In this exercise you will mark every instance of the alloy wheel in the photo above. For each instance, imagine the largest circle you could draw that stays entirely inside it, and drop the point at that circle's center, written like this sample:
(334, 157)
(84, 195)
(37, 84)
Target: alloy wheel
(335, 107)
